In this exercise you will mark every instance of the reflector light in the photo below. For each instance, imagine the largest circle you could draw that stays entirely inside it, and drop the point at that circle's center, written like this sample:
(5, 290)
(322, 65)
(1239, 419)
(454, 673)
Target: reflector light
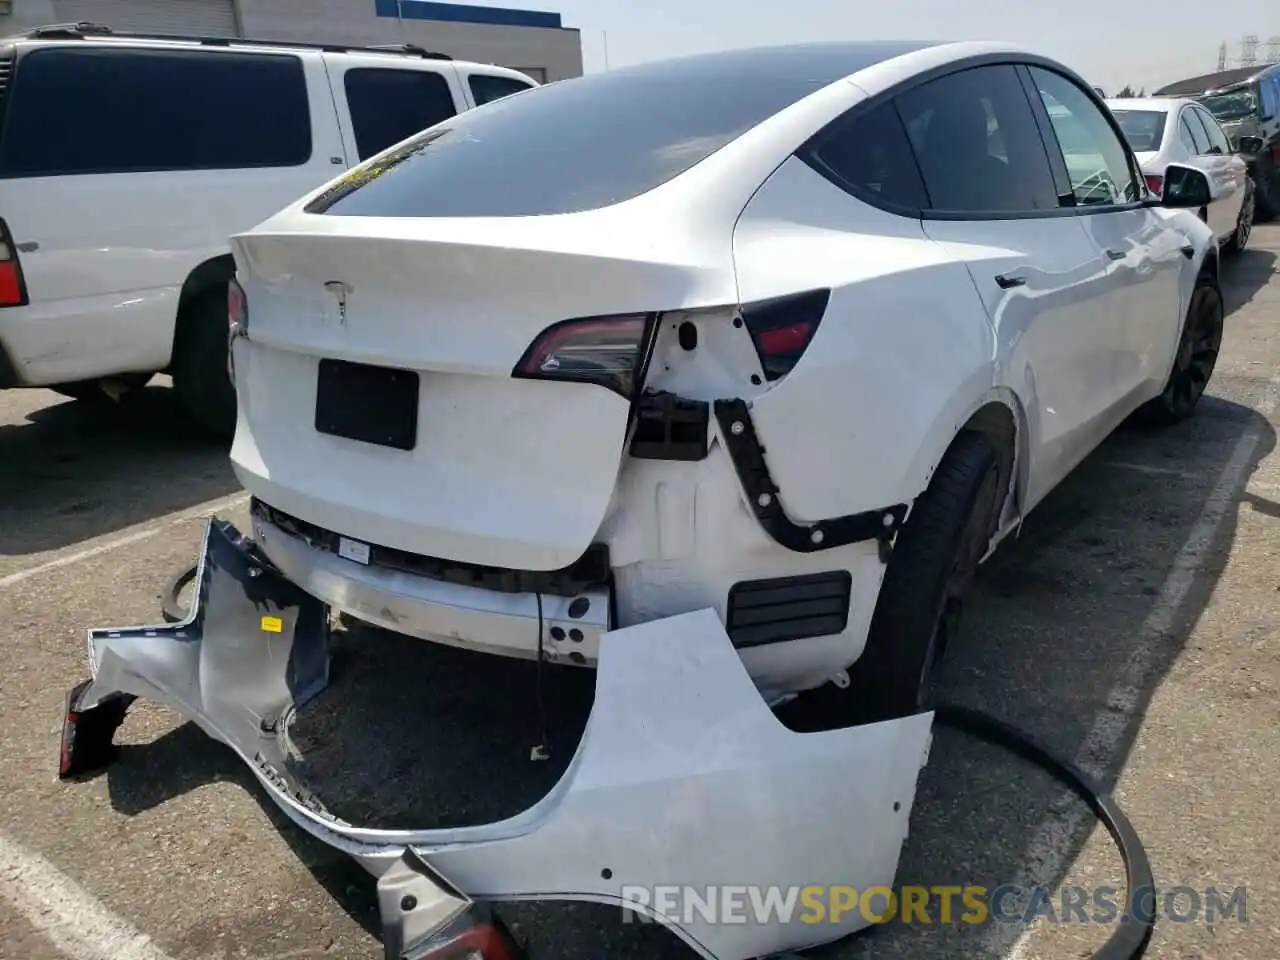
(783, 327)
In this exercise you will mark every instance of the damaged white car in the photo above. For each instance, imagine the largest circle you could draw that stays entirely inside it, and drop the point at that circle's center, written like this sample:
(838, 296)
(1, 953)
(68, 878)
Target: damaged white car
(722, 374)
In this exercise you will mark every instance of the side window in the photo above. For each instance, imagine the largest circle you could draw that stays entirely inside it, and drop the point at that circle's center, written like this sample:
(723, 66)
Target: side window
(1097, 161)
(1203, 144)
(389, 105)
(1191, 138)
(97, 111)
(977, 144)
(1267, 91)
(485, 88)
(869, 155)
(1218, 142)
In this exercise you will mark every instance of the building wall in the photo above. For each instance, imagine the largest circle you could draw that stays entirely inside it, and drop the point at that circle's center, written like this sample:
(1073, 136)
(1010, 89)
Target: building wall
(555, 50)
(526, 40)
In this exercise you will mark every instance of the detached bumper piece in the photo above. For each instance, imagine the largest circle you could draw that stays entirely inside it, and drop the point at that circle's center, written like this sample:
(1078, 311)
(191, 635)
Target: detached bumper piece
(744, 448)
(683, 775)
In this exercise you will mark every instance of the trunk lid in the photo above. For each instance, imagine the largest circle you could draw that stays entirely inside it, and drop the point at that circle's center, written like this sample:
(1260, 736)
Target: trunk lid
(502, 471)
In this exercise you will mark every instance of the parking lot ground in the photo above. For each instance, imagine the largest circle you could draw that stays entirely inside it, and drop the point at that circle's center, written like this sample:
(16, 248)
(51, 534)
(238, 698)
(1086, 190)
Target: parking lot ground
(1131, 626)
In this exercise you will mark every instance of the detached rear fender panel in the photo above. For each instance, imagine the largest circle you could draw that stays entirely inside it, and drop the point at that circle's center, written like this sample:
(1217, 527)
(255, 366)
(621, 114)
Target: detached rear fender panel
(903, 355)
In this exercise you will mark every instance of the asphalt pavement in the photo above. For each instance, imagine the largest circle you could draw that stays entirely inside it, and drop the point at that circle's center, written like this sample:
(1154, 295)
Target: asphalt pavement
(1132, 626)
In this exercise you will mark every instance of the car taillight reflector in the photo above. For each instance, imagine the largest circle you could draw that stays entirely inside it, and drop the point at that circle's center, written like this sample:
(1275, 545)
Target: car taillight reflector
(237, 308)
(13, 288)
(608, 351)
(476, 935)
(1155, 184)
(783, 327)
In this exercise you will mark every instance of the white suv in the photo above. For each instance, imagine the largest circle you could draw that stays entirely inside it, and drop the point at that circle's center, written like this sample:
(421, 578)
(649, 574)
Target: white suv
(126, 163)
(794, 348)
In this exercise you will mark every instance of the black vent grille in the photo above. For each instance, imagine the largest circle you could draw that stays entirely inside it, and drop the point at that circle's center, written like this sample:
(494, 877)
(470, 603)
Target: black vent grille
(788, 608)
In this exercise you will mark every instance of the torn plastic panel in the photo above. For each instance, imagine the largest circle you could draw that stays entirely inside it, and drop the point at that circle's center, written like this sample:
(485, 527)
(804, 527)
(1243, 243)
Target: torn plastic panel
(682, 776)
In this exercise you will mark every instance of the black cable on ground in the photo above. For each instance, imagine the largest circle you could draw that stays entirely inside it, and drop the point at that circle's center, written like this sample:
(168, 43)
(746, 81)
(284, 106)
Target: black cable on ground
(1130, 940)
(1131, 937)
(170, 608)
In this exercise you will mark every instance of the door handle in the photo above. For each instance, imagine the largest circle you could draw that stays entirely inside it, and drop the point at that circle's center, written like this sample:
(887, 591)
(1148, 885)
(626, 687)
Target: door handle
(1005, 282)
(1189, 251)
(1115, 254)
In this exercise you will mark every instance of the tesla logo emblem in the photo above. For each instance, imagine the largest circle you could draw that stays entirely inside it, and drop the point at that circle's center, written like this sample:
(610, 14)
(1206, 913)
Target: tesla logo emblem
(340, 291)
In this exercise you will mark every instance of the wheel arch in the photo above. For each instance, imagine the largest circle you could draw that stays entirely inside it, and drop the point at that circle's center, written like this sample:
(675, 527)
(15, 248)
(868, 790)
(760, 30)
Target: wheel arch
(999, 418)
(203, 278)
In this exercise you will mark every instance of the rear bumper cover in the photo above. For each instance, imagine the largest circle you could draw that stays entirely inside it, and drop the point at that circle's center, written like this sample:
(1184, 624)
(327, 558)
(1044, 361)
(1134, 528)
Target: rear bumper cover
(683, 776)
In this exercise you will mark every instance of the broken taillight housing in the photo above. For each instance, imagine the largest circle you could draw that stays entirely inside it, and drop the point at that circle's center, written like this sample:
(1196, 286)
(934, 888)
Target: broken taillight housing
(783, 327)
(477, 934)
(237, 309)
(608, 351)
(13, 287)
(1155, 183)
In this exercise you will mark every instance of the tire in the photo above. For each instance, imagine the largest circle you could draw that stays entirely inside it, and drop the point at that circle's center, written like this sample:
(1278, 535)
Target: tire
(1197, 356)
(1264, 194)
(933, 559)
(104, 391)
(200, 375)
(1244, 224)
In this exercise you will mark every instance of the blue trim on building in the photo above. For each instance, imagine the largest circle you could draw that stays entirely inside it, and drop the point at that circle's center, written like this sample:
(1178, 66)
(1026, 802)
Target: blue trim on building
(465, 13)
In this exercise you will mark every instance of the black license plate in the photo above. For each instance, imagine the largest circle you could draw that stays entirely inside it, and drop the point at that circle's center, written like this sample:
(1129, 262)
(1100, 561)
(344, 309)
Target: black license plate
(368, 403)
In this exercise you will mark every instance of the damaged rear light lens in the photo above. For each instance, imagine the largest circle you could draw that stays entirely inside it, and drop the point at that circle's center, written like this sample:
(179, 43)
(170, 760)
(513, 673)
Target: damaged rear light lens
(608, 351)
(237, 309)
(783, 327)
(477, 935)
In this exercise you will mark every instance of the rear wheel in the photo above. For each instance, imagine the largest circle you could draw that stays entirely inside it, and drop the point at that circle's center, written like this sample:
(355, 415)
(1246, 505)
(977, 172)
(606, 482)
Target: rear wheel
(933, 561)
(1244, 223)
(1264, 193)
(1197, 356)
(200, 375)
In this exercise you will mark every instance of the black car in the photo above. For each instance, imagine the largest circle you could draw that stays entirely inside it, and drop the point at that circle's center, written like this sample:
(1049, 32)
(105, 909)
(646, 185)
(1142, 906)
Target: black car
(1246, 103)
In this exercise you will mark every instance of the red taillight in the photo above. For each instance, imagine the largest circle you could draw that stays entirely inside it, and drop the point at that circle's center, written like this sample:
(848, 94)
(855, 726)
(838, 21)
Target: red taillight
(476, 935)
(13, 288)
(1155, 184)
(608, 351)
(782, 328)
(237, 308)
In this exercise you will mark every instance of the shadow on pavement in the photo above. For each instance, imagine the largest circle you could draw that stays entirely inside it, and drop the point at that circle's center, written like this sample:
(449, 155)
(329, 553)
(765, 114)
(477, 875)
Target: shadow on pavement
(75, 470)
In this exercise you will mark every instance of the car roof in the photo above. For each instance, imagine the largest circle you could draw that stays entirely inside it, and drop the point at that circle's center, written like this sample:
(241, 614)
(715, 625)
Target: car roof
(95, 35)
(1210, 82)
(1161, 104)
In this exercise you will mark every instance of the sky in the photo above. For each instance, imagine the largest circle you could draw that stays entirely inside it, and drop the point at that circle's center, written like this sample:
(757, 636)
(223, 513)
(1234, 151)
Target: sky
(1110, 42)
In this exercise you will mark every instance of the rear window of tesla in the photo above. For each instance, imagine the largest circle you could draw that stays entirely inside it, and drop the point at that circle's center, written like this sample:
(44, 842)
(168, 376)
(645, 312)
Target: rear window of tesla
(589, 142)
(1144, 129)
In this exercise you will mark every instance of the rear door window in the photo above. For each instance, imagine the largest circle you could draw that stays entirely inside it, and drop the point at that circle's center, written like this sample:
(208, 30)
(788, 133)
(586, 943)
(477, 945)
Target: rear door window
(1218, 142)
(92, 110)
(975, 139)
(389, 105)
(485, 87)
(1191, 135)
(1201, 130)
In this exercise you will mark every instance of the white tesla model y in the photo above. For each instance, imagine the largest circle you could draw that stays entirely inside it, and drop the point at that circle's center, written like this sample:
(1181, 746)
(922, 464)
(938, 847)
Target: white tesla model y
(795, 334)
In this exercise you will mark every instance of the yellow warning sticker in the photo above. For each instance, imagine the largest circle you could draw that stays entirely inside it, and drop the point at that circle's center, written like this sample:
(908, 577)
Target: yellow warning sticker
(272, 625)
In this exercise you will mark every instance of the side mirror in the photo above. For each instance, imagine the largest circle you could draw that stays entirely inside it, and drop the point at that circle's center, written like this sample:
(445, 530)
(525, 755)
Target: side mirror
(1185, 188)
(1249, 145)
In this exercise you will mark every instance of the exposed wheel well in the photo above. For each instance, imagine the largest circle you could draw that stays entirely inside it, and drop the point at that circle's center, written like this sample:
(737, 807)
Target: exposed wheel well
(996, 423)
(1211, 265)
(208, 276)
